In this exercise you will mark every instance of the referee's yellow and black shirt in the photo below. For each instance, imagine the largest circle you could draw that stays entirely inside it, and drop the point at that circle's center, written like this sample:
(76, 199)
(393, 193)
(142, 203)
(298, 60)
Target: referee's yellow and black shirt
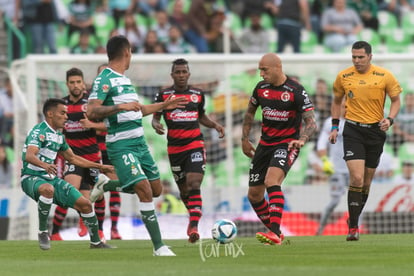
(366, 93)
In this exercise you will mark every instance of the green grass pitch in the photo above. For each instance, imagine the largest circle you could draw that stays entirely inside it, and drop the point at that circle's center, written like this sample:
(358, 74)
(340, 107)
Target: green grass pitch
(390, 254)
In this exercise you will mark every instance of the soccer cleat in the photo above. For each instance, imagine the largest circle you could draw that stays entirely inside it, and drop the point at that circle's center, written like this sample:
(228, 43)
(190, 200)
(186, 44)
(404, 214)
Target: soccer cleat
(82, 229)
(101, 245)
(270, 238)
(115, 234)
(193, 235)
(102, 236)
(353, 234)
(163, 251)
(97, 189)
(56, 237)
(44, 241)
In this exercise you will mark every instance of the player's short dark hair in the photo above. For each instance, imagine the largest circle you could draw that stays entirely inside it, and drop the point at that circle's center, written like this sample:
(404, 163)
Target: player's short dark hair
(51, 104)
(179, 61)
(116, 45)
(362, 45)
(74, 72)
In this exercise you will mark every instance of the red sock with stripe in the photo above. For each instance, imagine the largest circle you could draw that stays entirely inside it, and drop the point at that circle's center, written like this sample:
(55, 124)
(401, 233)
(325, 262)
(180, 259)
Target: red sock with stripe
(114, 208)
(262, 211)
(195, 205)
(100, 212)
(60, 214)
(276, 204)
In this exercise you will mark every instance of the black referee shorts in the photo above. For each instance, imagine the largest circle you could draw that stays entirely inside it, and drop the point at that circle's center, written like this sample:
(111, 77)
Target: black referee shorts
(363, 142)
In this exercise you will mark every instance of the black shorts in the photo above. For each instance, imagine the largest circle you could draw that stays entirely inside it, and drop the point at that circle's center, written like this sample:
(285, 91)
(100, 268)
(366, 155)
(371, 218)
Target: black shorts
(363, 143)
(187, 161)
(270, 156)
(105, 158)
(88, 175)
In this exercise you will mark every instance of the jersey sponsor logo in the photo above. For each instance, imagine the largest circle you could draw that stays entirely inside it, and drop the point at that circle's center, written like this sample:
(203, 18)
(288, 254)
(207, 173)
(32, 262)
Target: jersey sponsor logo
(285, 97)
(348, 75)
(183, 116)
(120, 81)
(275, 115)
(375, 73)
(280, 153)
(196, 157)
(54, 137)
(73, 126)
(105, 88)
(176, 168)
(306, 101)
(266, 93)
(253, 100)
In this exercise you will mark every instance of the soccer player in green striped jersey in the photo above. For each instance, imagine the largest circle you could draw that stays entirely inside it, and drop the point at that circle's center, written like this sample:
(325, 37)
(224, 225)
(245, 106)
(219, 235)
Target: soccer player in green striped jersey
(38, 176)
(114, 99)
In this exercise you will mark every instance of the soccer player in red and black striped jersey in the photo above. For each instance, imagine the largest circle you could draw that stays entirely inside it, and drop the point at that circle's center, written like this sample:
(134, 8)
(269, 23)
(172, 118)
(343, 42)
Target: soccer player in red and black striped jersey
(80, 134)
(285, 107)
(185, 141)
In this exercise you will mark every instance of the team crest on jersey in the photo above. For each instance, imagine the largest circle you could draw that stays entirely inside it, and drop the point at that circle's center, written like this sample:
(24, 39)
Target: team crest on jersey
(134, 170)
(41, 138)
(350, 94)
(285, 96)
(194, 98)
(105, 88)
(84, 107)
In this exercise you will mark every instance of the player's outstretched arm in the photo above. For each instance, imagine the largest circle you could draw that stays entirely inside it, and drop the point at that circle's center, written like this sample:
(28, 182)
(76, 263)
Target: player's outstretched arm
(208, 122)
(84, 163)
(156, 124)
(171, 102)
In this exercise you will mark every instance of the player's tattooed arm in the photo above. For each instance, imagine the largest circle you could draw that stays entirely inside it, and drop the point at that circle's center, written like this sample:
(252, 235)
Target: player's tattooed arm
(310, 125)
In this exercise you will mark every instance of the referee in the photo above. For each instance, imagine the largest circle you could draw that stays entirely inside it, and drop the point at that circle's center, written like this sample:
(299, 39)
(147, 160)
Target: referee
(365, 87)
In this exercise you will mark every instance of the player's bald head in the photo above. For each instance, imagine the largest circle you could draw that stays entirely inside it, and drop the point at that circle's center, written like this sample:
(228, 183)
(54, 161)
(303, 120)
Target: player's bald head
(271, 60)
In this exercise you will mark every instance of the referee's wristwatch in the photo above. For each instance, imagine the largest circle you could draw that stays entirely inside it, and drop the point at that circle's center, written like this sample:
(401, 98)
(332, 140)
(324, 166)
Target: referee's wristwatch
(391, 120)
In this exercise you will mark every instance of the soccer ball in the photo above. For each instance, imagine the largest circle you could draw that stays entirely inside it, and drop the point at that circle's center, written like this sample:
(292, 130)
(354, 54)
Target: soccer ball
(224, 231)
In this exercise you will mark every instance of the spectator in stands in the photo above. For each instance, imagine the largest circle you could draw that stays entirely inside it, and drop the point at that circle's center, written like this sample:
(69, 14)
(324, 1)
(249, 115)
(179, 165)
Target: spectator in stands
(150, 41)
(8, 9)
(198, 19)
(256, 6)
(396, 7)
(40, 18)
(291, 16)
(368, 12)
(81, 18)
(162, 25)
(159, 48)
(6, 113)
(6, 171)
(254, 39)
(176, 43)
(178, 17)
(340, 25)
(134, 33)
(407, 174)
(150, 7)
(84, 46)
(119, 8)
(316, 9)
(215, 36)
(403, 129)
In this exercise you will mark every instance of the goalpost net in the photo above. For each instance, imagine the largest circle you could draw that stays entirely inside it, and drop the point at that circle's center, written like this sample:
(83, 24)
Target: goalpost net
(228, 81)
